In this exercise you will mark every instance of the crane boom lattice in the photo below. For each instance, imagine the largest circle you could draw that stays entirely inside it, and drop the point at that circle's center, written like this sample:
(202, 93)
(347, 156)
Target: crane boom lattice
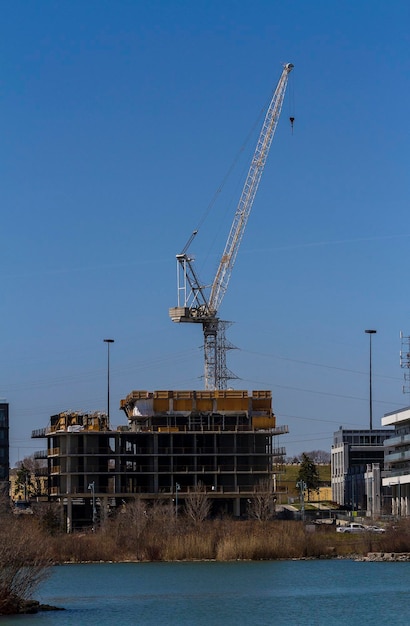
(250, 188)
(193, 303)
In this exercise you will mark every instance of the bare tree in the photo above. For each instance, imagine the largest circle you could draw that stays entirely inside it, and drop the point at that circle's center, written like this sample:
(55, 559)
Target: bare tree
(279, 461)
(197, 504)
(28, 483)
(321, 457)
(292, 460)
(23, 487)
(50, 516)
(318, 456)
(163, 514)
(134, 516)
(262, 505)
(24, 563)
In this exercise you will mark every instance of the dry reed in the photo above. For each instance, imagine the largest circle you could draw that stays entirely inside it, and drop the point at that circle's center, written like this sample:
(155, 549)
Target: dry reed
(142, 533)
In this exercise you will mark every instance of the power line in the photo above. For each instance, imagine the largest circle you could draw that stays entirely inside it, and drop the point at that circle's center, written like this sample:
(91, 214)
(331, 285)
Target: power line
(322, 393)
(312, 363)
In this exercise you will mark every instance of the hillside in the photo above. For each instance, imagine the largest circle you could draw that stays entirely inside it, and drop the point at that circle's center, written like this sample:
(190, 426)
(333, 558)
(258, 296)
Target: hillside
(287, 476)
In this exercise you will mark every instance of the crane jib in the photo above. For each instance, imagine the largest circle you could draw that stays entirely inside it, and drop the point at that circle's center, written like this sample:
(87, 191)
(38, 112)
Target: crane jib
(193, 305)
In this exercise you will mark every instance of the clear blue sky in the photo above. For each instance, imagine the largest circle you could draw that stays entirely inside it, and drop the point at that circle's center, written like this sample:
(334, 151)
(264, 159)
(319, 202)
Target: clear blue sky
(119, 121)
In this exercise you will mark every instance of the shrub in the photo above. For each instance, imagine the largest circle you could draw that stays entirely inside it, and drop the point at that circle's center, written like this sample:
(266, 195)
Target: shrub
(24, 562)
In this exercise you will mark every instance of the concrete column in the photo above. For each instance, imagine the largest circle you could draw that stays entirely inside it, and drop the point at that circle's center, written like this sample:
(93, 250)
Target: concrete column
(69, 515)
(237, 507)
(155, 459)
(104, 510)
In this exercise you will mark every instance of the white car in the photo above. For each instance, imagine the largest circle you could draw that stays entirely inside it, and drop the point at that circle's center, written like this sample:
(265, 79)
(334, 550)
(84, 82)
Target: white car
(353, 527)
(375, 529)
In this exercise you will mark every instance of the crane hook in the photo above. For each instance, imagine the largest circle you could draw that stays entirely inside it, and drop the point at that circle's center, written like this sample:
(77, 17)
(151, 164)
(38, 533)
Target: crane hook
(291, 120)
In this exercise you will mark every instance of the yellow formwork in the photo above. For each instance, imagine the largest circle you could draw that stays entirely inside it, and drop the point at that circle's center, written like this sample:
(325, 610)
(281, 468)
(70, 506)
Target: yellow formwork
(204, 404)
(168, 429)
(261, 404)
(183, 400)
(183, 404)
(139, 395)
(231, 400)
(161, 405)
(261, 400)
(183, 395)
(204, 401)
(94, 426)
(135, 395)
(231, 393)
(261, 393)
(263, 422)
(163, 394)
(223, 400)
(205, 394)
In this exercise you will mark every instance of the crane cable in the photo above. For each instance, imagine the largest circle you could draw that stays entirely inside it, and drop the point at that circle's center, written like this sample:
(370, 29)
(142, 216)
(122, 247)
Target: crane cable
(291, 101)
(223, 182)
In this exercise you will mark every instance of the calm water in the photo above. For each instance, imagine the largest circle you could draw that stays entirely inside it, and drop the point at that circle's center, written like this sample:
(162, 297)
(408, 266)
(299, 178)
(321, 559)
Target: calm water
(283, 592)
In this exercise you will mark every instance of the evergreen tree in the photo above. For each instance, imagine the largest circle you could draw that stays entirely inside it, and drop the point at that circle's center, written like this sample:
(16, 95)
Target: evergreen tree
(309, 474)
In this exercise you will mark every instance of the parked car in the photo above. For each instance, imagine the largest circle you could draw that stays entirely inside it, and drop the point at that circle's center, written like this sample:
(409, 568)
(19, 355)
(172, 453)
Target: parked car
(355, 527)
(375, 529)
(22, 507)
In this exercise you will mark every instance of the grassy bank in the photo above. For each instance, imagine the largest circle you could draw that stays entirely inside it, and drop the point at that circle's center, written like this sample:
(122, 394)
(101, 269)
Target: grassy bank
(287, 478)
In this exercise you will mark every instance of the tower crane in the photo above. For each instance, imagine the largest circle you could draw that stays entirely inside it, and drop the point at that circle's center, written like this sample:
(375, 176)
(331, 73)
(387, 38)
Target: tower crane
(194, 303)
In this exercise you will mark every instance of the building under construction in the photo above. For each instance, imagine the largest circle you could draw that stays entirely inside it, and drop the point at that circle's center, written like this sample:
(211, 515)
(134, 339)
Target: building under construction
(174, 441)
(177, 441)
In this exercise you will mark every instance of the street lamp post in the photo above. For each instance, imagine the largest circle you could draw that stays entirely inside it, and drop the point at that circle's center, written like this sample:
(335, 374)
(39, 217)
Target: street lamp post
(91, 487)
(370, 333)
(302, 487)
(108, 341)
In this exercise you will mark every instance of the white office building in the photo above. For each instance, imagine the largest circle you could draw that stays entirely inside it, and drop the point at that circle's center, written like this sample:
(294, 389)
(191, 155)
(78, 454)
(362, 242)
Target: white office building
(397, 461)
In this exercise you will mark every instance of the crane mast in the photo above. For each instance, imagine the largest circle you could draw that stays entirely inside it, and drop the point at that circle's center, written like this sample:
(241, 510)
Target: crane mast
(193, 304)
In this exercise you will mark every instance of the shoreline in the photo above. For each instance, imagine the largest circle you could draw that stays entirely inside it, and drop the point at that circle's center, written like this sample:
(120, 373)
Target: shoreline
(31, 607)
(393, 557)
